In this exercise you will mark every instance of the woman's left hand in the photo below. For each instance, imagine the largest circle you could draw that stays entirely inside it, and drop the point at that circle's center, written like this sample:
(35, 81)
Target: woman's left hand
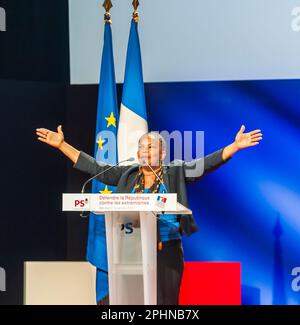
(250, 139)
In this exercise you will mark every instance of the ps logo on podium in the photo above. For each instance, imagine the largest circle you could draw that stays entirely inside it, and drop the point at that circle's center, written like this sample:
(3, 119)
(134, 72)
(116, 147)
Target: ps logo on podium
(2, 20)
(127, 227)
(2, 279)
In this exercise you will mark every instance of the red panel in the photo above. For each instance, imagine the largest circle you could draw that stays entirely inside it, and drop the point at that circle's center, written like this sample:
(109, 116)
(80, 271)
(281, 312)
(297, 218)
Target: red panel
(211, 283)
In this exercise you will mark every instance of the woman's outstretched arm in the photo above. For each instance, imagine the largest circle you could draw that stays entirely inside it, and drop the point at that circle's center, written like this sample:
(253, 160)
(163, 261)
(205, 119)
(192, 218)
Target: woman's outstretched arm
(57, 140)
(198, 168)
(81, 160)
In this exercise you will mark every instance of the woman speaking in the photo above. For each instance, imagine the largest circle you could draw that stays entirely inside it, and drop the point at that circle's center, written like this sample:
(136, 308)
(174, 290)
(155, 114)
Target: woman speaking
(140, 178)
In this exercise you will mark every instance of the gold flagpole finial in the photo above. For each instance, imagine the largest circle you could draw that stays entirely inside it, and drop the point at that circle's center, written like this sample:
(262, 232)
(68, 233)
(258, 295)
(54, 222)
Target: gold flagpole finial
(135, 14)
(107, 5)
(135, 4)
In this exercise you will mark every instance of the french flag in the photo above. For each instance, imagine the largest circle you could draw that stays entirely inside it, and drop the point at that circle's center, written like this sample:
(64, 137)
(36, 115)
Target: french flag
(133, 116)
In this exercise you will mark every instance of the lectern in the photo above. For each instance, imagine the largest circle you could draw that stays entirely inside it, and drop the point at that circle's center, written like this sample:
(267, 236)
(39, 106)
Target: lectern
(131, 238)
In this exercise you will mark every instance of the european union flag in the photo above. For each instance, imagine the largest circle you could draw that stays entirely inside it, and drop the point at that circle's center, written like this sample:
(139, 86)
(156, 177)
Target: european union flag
(105, 151)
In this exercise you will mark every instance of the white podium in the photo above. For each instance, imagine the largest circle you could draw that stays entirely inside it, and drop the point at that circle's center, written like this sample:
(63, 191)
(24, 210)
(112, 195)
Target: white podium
(131, 238)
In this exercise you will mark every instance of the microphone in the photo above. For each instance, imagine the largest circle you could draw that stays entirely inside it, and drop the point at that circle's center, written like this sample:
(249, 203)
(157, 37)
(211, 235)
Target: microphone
(102, 172)
(157, 177)
(159, 244)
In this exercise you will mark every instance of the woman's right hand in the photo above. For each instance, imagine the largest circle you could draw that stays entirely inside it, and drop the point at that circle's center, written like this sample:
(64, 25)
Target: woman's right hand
(54, 139)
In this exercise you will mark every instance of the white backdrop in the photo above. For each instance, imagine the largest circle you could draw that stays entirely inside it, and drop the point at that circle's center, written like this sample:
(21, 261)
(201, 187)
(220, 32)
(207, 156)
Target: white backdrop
(205, 40)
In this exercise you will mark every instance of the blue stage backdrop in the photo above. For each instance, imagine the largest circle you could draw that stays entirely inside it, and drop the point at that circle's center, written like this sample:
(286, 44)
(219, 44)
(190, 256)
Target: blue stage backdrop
(249, 209)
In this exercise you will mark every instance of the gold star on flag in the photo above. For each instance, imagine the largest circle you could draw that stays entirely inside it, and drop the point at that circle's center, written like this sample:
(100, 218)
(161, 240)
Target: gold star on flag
(100, 142)
(111, 120)
(106, 191)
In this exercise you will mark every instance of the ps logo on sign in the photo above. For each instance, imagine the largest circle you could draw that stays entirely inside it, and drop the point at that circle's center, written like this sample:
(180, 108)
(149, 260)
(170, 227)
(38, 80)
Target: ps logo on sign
(81, 203)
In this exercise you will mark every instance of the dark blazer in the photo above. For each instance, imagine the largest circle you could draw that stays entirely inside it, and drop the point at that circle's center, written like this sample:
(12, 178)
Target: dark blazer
(175, 177)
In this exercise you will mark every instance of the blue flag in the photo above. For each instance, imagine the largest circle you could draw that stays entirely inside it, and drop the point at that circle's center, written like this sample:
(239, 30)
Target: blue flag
(133, 114)
(105, 151)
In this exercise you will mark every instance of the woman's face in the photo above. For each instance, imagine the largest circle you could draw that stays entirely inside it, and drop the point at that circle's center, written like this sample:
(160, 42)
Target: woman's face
(150, 150)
